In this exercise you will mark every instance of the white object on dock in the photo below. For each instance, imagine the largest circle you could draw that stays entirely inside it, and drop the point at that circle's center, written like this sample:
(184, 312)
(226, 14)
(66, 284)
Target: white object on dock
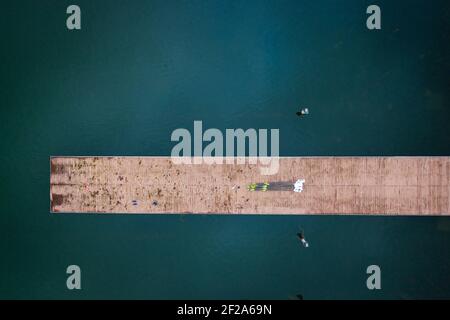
(298, 185)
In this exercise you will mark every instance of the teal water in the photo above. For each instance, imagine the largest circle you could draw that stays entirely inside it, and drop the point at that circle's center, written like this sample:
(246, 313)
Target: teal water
(140, 69)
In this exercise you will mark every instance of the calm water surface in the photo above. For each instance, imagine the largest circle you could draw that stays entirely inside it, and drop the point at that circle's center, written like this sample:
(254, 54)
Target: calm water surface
(140, 69)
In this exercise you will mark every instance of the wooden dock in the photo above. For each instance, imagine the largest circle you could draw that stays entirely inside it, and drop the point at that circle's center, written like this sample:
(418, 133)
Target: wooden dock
(333, 185)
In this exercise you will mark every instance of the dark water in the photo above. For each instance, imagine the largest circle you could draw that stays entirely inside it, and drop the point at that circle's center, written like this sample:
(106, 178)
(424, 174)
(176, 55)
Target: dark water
(140, 69)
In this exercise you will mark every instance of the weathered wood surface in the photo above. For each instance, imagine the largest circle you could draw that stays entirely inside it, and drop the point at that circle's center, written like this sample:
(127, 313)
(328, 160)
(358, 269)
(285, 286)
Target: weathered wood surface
(333, 185)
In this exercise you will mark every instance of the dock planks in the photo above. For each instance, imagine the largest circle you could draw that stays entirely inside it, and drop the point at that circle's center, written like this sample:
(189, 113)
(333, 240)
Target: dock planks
(333, 185)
